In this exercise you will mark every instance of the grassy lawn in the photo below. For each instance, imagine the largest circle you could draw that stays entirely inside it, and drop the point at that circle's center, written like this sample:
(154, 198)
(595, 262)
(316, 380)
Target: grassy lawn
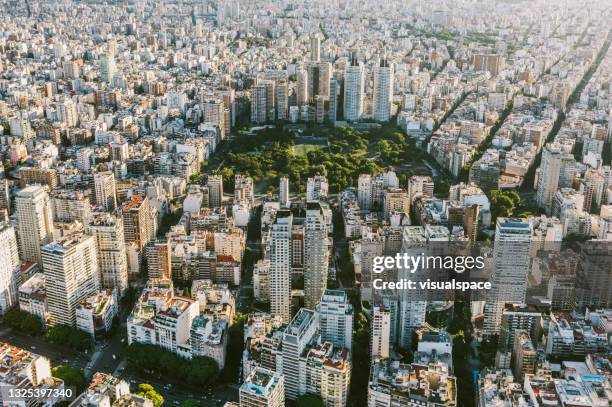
(304, 149)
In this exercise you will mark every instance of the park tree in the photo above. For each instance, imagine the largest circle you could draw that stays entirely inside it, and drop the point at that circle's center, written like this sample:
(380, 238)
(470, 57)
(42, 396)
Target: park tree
(146, 390)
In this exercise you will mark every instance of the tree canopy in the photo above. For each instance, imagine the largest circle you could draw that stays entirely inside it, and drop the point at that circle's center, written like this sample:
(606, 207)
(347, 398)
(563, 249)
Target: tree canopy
(195, 372)
(309, 400)
(70, 337)
(146, 390)
(71, 376)
(23, 322)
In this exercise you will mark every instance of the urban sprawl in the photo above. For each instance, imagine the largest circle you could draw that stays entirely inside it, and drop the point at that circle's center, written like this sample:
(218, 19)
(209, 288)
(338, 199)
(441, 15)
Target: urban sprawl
(197, 198)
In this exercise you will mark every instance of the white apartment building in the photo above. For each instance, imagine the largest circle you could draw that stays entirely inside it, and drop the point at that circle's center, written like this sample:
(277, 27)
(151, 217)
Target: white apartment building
(107, 231)
(383, 91)
(380, 336)
(105, 190)
(512, 263)
(71, 271)
(33, 297)
(35, 222)
(354, 84)
(95, 314)
(295, 339)
(335, 314)
(9, 268)
(316, 255)
(209, 338)
(280, 265)
(317, 188)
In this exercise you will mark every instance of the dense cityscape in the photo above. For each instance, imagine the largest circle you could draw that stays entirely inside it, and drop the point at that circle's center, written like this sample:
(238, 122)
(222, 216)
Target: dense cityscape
(207, 203)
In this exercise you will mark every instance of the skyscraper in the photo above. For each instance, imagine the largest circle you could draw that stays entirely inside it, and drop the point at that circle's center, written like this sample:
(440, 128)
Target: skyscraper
(302, 87)
(284, 192)
(353, 90)
(317, 188)
(138, 222)
(9, 268)
(335, 315)
(107, 67)
(282, 99)
(334, 90)
(364, 191)
(383, 91)
(512, 262)
(259, 103)
(67, 112)
(158, 255)
(551, 172)
(319, 76)
(213, 111)
(35, 222)
(316, 255)
(413, 304)
(71, 271)
(295, 338)
(105, 190)
(215, 190)
(315, 48)
(280, 265)
(380, 335)
(108, 234)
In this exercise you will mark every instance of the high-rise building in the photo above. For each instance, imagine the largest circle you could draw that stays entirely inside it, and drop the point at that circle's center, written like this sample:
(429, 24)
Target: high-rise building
(108, 234)
(327, 373)
(107, 67)
(282, 99)
(67, 112)
(32, 175)
(470, 222)
(263, 388)
(316, 188)
(68, 206)
(315, 48)
(512, 263)
(354, 83)
(259, 103)
(593, 288)
(243, 189)
(335, 315)
(280, 265)
(551, 172)
(515, 318)
(316, 255)
(35, 222)
(396, 200)
(524, 355)
(5, 197)
(413, 304)
(492, 63)
(215, 190)
(213, 111)
(383, 91)
(159, 255)
(71, 271)
(9, 268)
(302, 87)
(334, 91)
(380, 333)
(138, 221)
(105, 190)
(319, 75)
(284, 192)
(364, 191)
(296, 337)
